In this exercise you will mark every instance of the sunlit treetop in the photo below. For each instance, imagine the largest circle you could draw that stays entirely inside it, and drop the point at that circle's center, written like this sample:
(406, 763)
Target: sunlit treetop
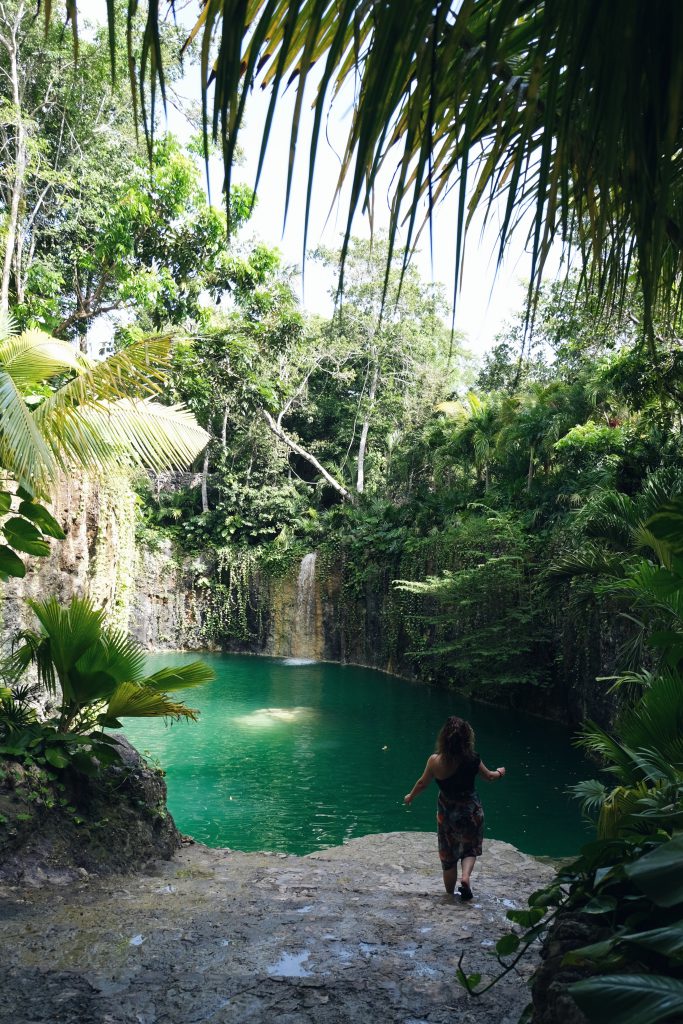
(568, 114)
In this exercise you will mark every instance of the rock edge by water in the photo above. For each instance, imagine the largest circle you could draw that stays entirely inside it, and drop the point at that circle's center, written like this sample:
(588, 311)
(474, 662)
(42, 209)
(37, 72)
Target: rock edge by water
(357, 933)
(56, 827)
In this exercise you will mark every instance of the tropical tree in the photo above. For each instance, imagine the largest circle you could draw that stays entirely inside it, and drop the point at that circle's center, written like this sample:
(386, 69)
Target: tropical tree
(98, 674)
(401, 358)
(478, 425)
(92, 223)
(541, 105)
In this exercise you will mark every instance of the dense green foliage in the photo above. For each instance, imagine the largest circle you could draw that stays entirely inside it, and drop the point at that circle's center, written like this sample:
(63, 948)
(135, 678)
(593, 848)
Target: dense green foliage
(497, 527)
(630, 880)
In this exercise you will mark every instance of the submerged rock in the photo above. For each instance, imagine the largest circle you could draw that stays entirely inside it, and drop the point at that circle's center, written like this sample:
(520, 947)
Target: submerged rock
(357, 933)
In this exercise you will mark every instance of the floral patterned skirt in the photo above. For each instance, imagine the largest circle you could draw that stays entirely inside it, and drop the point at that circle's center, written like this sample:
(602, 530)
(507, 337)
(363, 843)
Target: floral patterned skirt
(460, 828)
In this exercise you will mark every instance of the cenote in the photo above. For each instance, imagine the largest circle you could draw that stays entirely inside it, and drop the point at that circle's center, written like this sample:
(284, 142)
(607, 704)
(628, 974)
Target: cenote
(295, 757)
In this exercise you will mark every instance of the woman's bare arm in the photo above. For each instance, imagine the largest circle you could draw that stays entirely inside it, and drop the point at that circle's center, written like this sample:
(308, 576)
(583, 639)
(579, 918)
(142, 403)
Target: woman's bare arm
(422, 782)
(490, 776)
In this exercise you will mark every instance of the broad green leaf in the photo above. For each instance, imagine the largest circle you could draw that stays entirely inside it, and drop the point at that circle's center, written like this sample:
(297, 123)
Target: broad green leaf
(5, 501)
(468, 981)
(24, 536)
(526, 918)
(11, 564)
(56, 758)
(629, 998)
(667, 940)
(659, 874)
(507, 944)
(595, 951)
(600, 905)
(42, 518)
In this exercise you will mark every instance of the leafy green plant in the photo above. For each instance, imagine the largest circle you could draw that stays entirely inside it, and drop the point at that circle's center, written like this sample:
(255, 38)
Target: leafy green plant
(486, 625)
(98, 674)
(630, 880)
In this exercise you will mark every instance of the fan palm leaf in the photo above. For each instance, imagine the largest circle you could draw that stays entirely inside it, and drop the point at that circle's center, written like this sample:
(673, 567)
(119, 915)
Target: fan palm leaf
(68, 633)
(656, 721)
(180, 677)
(100, 672)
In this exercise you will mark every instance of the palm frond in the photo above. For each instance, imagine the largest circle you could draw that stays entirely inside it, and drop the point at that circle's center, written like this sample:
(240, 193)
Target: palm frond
(117, 654)
(656, 721)
(8, 325)
(181, 677)
(141, 368)
(24, 453)
(34, 356)
(590, 562)
(32, 648)
(134, 700)
(140, 433)
(539, 106)
(69, 631)
(592, 794)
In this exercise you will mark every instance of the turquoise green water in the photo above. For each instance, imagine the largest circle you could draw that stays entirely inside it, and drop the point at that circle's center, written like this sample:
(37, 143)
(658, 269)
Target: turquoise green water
(296, 757)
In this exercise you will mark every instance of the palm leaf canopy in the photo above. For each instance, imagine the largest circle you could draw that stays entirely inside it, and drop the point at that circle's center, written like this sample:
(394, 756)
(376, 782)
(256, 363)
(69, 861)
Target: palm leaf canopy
(95, 415)
(567, 112)
(95, 667)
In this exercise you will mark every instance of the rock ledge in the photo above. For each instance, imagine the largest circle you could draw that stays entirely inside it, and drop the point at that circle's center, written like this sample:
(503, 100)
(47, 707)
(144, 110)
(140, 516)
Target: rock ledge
(358, 933)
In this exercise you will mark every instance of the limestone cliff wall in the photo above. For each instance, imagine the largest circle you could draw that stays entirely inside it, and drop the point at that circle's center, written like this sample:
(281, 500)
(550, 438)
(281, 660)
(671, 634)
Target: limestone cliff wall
(97, 559)
(167, 607)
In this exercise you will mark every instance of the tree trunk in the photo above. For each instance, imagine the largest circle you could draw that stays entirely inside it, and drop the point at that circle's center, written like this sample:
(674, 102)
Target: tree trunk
(280, 433)
(205, 476)
(363, 443)
(12, 47)
(530, 474)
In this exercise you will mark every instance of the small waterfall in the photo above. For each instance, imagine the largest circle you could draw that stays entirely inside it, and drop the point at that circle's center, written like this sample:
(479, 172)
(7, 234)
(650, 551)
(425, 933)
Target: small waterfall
(305, 638)
(296, 619)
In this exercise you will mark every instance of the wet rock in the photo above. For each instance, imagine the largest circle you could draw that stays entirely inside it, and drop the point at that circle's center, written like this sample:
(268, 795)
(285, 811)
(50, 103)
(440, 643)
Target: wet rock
(55, 836)
(337, 937)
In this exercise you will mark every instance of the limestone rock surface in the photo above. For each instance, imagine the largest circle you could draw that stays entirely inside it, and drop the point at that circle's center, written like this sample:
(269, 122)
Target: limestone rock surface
(361, 933)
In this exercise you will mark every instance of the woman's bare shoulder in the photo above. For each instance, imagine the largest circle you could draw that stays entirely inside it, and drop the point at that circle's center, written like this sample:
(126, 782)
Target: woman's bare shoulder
(439, 766)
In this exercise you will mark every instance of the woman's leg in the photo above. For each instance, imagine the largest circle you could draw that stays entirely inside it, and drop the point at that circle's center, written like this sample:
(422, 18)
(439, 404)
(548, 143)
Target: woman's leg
(450, 877)
(467, 868)
(464, 887)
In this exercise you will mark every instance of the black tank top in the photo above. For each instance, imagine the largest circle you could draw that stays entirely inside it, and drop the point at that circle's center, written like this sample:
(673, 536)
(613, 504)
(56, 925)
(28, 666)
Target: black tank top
(461, 782)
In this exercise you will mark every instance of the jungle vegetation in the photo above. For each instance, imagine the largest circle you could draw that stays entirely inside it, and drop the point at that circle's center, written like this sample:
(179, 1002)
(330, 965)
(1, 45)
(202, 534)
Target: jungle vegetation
(550, 473)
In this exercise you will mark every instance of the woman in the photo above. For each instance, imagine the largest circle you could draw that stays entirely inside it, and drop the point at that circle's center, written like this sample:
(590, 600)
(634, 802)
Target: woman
(460, 817)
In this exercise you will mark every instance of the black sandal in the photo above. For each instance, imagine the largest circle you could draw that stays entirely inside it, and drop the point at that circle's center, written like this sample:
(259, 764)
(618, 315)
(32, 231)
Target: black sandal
(465, 891)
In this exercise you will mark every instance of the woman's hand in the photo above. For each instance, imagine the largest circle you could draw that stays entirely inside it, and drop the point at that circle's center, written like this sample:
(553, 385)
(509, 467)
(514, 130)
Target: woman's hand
(408, 798)
(501, 772)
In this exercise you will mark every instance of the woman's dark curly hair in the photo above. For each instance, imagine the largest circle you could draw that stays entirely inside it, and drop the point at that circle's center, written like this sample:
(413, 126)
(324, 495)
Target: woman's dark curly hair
(456, 739)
